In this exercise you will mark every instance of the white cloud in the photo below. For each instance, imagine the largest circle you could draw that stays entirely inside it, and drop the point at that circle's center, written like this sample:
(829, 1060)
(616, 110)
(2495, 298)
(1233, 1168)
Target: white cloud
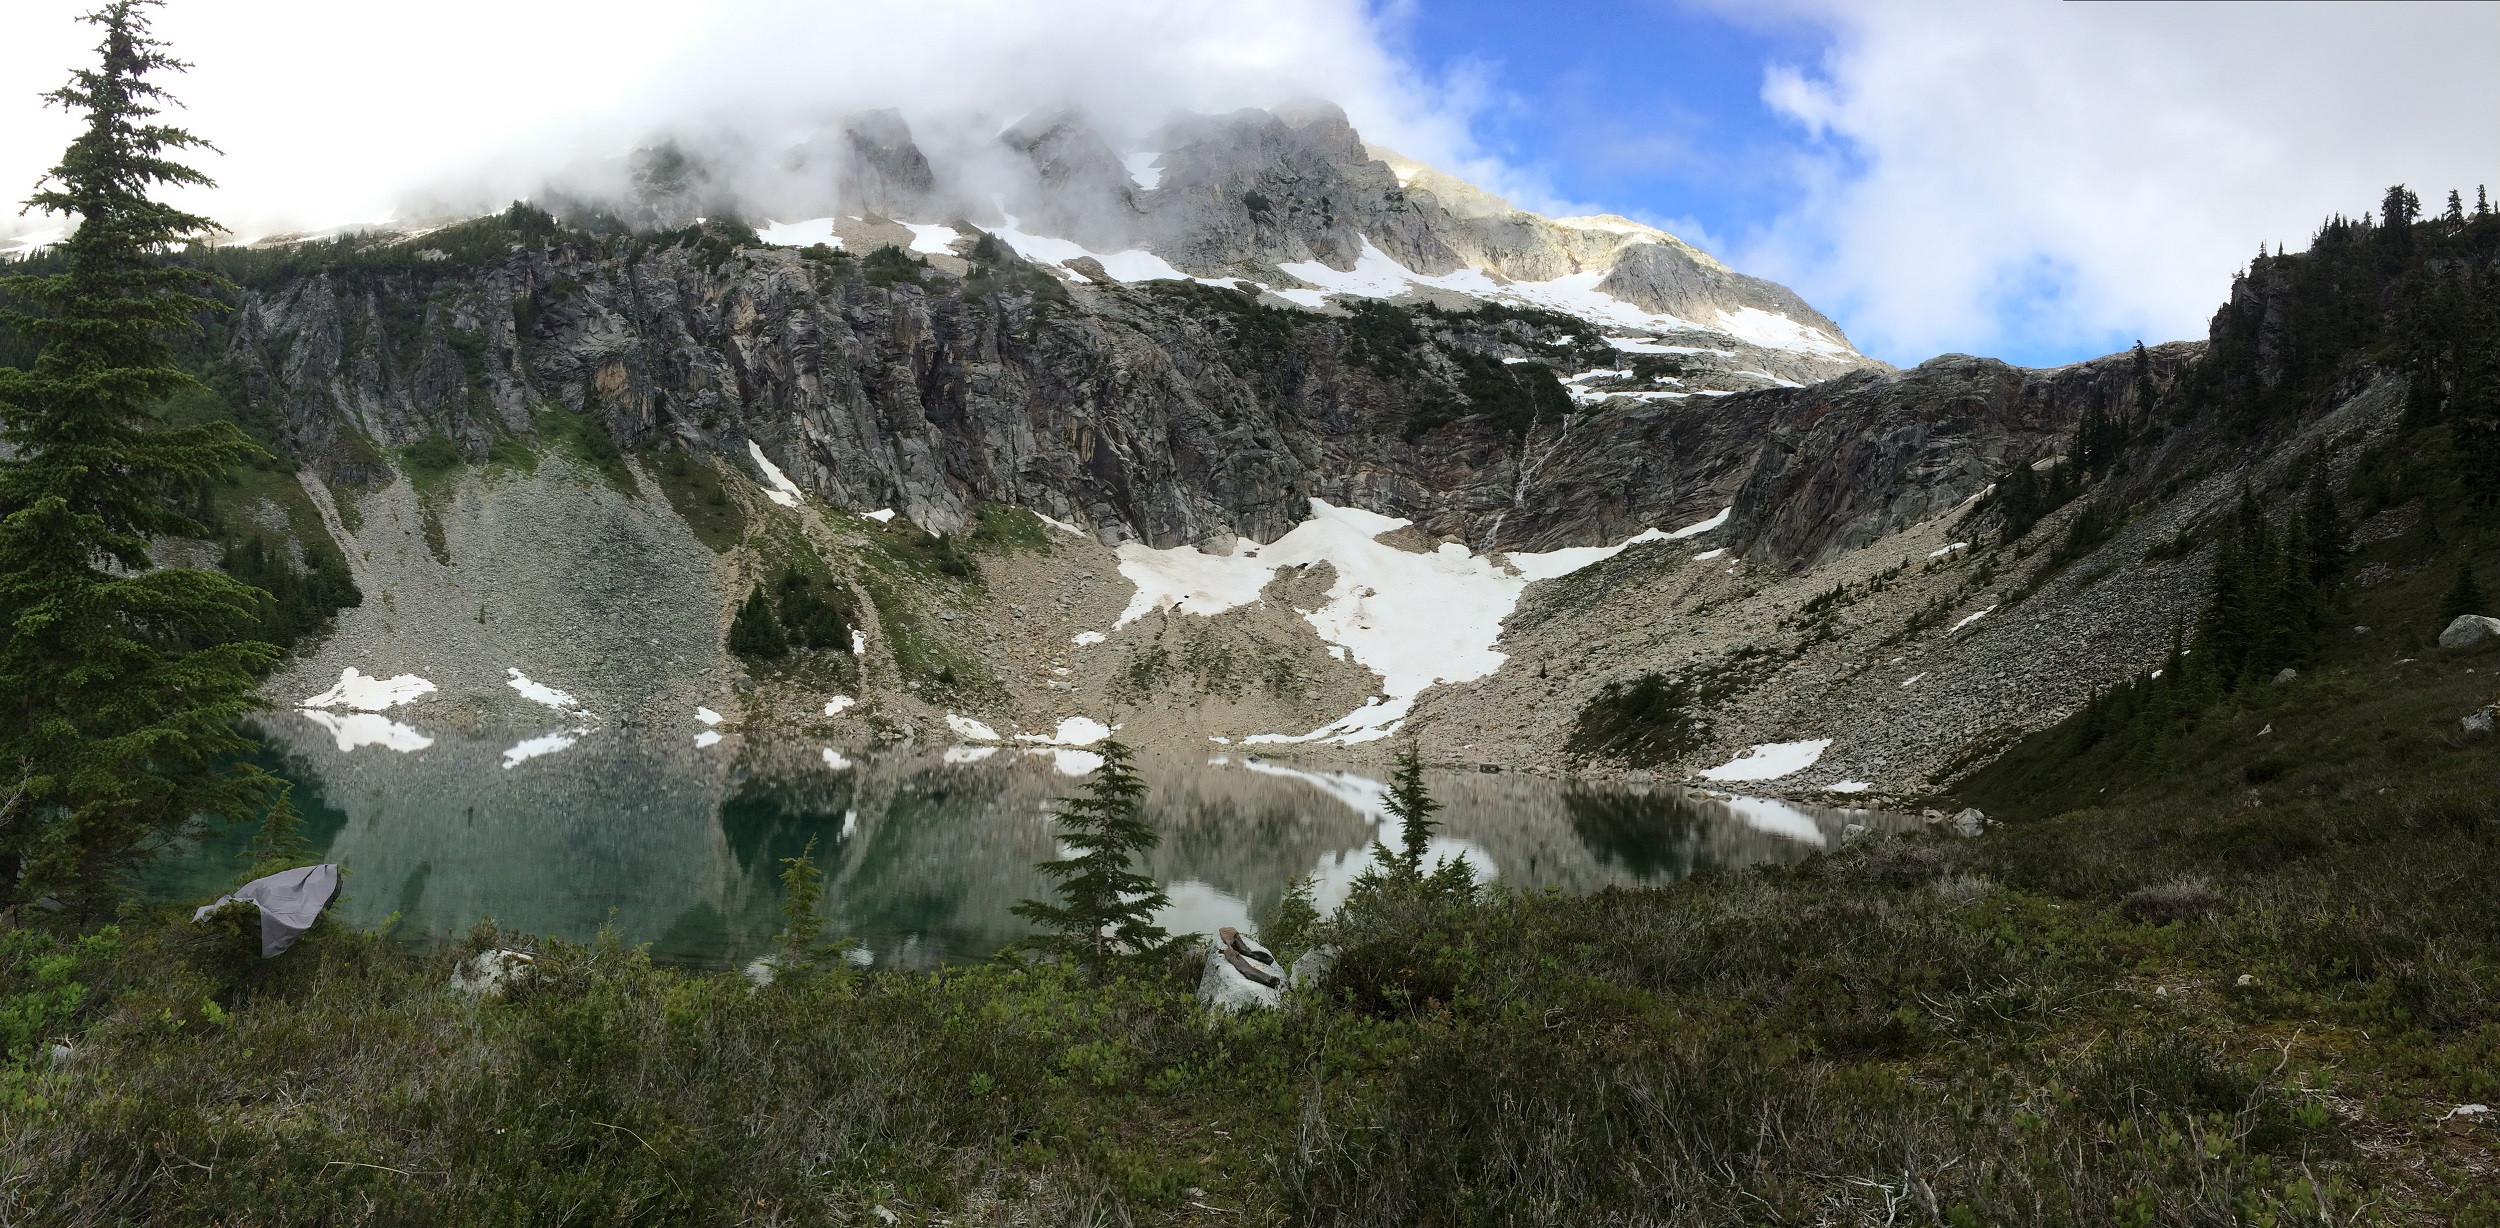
(331, 114)
(2030, 178)
(2064, 177)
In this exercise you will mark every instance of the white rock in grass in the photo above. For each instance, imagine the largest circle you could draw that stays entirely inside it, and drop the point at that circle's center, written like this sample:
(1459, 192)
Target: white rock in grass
(490, 973)
(1970, 822)
(2481, 722)
(1311, 967)
(1224, 988)
(2469, 630)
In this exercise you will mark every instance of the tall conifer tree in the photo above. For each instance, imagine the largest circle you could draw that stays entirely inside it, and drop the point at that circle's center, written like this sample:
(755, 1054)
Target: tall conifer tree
(1106, 911)
(118, 701)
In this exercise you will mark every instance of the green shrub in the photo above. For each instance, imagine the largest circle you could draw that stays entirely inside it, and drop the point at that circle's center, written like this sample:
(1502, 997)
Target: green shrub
(297, 600)
(892, 266)
(756, 633)
(815, 614)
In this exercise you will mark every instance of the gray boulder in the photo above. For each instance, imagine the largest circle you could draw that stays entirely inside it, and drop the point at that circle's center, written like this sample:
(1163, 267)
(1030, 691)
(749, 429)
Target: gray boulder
(2469, 630)
(2480, 721)
(1970, 822)
(1311, 967)
(1225, 987)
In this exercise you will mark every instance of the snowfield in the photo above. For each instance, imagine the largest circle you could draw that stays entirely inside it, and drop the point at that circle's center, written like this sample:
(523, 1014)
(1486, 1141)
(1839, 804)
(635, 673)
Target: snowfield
(777, 485)
(1377, 275)
(932, 240)
(1778, 332)
(539, 694)
(1770, 761)
(1972, 619)
(799, 234)
(1074, 731)
(369, 694)
(1414, 619)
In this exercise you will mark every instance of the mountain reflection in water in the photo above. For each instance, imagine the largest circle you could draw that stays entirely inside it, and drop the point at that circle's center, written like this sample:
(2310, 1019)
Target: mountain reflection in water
(924, 853)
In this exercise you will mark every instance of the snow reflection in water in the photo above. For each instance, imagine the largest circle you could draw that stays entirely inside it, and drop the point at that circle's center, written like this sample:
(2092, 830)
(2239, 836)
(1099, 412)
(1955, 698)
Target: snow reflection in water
(924, 849)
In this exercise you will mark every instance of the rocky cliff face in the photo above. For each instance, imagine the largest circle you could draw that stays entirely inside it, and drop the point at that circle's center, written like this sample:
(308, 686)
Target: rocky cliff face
(1166, 411)
(1178, 347)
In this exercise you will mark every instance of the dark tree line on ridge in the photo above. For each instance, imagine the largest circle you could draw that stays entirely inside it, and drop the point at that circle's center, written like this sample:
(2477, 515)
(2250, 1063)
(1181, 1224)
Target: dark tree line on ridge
(2419, 296)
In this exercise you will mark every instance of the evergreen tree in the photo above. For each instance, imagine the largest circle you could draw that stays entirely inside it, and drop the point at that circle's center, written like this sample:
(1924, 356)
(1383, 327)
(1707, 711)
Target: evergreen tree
(280, 843)
(803, 922)
(1413, 807)
(1106, 910)
(2464, 596)
(755, 632)
(809, 620)
(1289, 932)
(2143, 384)
(2397, 213)
(2092, 452)
(120, 682)
(2330, 543)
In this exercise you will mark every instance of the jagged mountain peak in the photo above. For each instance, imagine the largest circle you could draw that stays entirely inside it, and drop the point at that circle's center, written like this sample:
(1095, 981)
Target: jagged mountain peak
(1291, 203)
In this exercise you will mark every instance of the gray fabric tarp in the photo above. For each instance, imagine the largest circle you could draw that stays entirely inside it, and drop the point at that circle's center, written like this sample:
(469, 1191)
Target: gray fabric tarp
(290, 901)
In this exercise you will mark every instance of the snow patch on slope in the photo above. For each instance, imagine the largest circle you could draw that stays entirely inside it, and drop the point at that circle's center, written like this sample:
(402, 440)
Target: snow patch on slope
(777, 485)
(1770, 761)
(799, 234)
(369, 694)
(1074, 731)
(1377, 275)
(1414, 619)
(539, 693)
(932, 240)
(1778, 332)
(1135, 264)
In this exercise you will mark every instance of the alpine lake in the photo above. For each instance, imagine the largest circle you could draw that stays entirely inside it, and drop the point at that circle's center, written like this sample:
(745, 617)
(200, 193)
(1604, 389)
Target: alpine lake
(924, 849)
